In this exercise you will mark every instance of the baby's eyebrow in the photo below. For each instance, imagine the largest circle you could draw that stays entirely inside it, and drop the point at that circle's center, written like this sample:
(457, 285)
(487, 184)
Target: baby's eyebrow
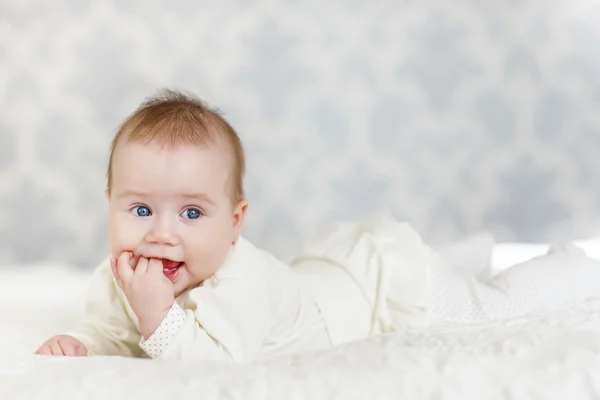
(198, 196)
(132, 193)
(192, 196)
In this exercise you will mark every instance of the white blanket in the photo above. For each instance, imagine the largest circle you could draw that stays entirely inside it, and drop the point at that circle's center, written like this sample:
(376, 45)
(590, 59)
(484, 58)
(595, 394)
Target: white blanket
(552, 356)
(547, 357)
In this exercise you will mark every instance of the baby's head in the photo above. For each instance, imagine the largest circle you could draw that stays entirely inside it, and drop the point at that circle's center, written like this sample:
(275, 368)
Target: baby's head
(175, 187)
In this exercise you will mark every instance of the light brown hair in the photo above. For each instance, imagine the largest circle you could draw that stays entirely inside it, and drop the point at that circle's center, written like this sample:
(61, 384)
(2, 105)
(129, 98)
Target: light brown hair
(174, 118)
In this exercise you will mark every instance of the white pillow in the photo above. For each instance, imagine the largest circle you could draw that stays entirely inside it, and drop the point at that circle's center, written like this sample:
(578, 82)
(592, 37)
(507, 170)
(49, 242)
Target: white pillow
(590, 246)
(480, 255)
(505, 255)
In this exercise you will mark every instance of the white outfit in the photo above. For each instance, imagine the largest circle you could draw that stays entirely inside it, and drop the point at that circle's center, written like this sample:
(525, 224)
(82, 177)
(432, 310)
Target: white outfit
(253, 307)
(356, 280)
(378, 276)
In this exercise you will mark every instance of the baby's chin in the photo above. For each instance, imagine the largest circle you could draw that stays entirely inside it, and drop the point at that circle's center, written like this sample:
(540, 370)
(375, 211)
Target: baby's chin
(180, 287)
(183, 284)
(190, 276)
(179, 290)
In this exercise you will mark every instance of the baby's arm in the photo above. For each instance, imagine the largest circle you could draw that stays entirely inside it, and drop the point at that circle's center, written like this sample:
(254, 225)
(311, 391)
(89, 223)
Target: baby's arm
(225, 319)
(227, 322)
(107, 328)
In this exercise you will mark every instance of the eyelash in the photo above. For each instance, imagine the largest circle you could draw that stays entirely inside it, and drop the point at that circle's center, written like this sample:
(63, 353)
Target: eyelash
(185, 211)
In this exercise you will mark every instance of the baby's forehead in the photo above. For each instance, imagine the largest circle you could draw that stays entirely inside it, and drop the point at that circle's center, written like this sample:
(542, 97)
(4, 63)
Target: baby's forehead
(215, 150)
(137, 160)
(167, 168)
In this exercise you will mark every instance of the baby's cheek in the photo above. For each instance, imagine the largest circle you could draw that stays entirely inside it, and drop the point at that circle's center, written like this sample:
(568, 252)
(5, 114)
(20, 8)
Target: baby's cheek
(122, 238)
(209, 260)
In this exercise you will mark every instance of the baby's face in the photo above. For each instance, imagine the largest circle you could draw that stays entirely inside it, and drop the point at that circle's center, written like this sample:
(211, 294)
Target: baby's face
(171, 203)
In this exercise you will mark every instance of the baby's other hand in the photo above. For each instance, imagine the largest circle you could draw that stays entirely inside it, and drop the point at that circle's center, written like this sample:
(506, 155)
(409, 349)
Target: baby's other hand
(63, 345)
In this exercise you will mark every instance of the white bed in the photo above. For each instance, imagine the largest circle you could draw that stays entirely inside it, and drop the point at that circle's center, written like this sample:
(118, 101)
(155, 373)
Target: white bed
(555, 356)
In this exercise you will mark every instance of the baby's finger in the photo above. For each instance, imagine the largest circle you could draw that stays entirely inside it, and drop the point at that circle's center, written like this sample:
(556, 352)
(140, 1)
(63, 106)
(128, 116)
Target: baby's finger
(142, 266)
(67, 348)
(55, 347)
(123, 268)
(133, 261)
(113, 267)
(44, 350)
(155, 267)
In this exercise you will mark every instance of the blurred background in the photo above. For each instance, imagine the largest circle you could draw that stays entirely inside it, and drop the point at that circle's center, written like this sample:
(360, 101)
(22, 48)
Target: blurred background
(455, 116)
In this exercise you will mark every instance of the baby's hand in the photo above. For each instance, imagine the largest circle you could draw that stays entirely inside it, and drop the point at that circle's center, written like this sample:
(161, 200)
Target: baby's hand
(63, 345)
(148, 290)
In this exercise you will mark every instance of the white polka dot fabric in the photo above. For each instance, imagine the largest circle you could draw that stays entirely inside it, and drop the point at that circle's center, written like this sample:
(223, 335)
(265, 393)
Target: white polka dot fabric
(160, 340)
(562, 277)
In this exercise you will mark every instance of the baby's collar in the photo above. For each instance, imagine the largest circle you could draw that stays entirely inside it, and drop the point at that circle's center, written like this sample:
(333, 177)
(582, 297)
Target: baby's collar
(230, 260)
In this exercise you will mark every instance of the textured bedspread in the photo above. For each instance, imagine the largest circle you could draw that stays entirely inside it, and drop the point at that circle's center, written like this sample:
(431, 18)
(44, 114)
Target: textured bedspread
(554, 356)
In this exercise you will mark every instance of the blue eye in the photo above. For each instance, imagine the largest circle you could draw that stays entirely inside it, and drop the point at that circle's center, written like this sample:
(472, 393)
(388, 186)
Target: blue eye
(192, 213)
(141, 211)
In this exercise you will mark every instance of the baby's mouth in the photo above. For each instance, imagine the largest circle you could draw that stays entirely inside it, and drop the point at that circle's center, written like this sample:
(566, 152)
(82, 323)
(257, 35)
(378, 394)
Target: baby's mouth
(171, 268)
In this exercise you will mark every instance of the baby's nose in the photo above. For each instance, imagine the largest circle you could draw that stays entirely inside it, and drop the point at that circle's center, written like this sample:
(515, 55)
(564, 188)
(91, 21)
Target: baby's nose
(163, 233)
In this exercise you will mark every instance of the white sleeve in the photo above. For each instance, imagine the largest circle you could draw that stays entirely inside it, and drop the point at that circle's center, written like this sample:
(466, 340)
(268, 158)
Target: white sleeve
(228, 321)
(165, 333)
(107, 328)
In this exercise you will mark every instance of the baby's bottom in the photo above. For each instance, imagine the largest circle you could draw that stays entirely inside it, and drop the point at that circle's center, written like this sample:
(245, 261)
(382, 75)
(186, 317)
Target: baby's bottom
(562, 277)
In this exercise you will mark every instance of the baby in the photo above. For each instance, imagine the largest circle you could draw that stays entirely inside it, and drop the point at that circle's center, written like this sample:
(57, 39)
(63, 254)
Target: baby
(182, 282)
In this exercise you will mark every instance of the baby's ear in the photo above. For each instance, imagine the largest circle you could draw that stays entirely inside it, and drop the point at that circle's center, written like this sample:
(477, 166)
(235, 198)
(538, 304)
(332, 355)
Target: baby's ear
(107, 194)
(239, 214)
